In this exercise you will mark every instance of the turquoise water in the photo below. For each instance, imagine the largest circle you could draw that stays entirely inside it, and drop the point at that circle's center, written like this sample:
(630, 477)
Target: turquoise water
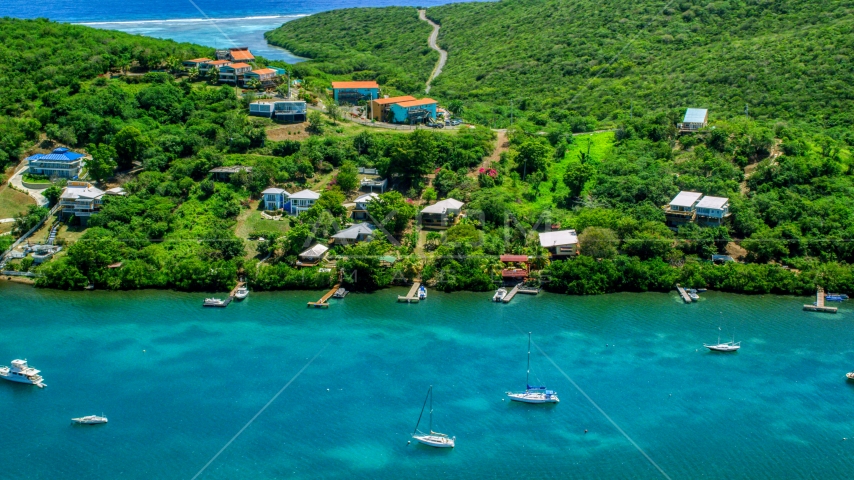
(178, 382)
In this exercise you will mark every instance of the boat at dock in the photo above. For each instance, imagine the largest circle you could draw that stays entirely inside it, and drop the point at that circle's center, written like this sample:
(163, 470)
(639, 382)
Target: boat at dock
(22, 373)
(433, 439)
(242, 292)
(214, 302)
(836, 297)
(693, 294)
(533, 394)
(499, 295)
(90, 420)
(340, 293)
(422, 292)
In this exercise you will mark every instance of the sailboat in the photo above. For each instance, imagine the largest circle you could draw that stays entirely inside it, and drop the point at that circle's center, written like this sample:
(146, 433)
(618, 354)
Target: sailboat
(433, 439)
(533, 394)
(724, 347)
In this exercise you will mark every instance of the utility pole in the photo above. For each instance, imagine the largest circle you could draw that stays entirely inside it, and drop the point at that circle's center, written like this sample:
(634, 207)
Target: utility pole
(511, 113)
(746, 111)
(631, 109)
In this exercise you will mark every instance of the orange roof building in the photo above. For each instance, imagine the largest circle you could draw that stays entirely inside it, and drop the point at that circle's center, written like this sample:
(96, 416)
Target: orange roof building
(354, 92)
(413, 111)
(241, 55)
(380, 107)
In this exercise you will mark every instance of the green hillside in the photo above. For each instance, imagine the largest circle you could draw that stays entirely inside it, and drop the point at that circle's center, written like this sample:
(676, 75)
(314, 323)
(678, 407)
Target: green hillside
(559, 61)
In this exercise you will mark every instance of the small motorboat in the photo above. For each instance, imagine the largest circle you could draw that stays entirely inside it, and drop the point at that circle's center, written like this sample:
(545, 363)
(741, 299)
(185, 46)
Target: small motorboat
(835, 297)
(499, 295)
(340, 293)
(701, 290)
(90, 420)
(693, 294)
(214, 302)
(241, 293)
(422, 292)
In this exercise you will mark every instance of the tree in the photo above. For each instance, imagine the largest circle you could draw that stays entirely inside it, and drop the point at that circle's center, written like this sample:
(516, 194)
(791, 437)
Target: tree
(391, 211)
(213, 76)
(348, 176)
(429, 195)
(25, 221)
(333, 111)
(52, 194)
(103, 162)
(415, 155)
(254, 84)
(333, 202)
(532, 154)
(456, 107)
(129, 145)
(598, 242)
(315, 123)
(577, 175)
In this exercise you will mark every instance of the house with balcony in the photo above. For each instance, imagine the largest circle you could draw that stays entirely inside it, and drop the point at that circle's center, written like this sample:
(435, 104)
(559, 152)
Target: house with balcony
(234, 73)
(239, 54)
(196, 62)
(81, 200)
(354, 92)
(712, 211)
(290, 111)
(360, 212)
(205, 68)
(443, 214)
(695, 119)
(302, 201)
(267, 77)
(360, 232)
(379, 108)
(223, 174)
(413, 111)
(313, 256)
(682, 209)
(276, 199)
(60, 163)
(560, 244)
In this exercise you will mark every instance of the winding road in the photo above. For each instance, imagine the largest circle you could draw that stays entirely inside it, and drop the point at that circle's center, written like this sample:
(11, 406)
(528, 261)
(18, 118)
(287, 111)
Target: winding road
(443, 55)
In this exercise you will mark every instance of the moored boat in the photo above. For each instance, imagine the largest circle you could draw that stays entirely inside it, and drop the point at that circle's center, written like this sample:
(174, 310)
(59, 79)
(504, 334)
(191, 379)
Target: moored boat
(433, 439)
(90, 420)
(723, 347)
(533, 394)
(849, 375)
(499, 295)
(242, 292)
(422, 292)
(214, 302)
(22, 373)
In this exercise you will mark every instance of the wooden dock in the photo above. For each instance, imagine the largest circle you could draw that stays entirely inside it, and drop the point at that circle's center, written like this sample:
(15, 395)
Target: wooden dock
(412, 296)
(322, 303)
(520, 289)
(819, 303)
(230, 297)
(683, 294)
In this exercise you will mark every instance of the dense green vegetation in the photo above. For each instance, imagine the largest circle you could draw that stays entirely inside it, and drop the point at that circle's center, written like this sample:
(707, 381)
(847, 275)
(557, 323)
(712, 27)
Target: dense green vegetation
(586, 62)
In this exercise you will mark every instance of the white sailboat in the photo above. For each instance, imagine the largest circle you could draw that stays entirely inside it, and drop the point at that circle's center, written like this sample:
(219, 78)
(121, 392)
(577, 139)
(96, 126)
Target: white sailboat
(433, 439)
(90, 420)
(724, 347)
(533, 394)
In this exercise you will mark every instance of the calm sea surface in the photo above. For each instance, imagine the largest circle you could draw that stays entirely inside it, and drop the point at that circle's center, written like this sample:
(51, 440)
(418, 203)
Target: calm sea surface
(178, 382)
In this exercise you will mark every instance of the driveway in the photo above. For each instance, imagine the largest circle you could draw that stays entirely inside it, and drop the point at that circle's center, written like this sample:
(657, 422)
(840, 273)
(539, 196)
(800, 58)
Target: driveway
(16, 181)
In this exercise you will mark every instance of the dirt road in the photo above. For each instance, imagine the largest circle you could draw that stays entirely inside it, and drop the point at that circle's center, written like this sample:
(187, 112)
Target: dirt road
(443, 55)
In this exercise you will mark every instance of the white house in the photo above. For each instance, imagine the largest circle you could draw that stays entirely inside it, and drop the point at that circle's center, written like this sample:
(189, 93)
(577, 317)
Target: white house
(356, 233)
(302, 201)
(312, 256)
(561, 244)
(442, 214)
(81, 200)
(361, 210)
(61, 162)
(712, 210)
(682, 208)
(276, 199)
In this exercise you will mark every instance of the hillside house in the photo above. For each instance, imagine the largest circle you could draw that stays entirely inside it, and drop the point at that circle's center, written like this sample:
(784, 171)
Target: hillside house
(240, 54)
(276, 199)
(267, 77)
(354, 92)
(287, 111)
(81, 200)
(234, 73)
(359, 232)
(224, 174)
(441, 214)
(196, 62)
(60, 163)
(712, 211)
(695, 119)
(682, 208)
(379, 108)
(360, 212)
(312, 256)
(206, 67)
(413, 111)
(302, 201)
(561, 244)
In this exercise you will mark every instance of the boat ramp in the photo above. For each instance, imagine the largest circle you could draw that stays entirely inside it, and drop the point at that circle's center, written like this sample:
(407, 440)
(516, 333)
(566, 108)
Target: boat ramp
(412, 296)
(520, 289)
(818, 306)
(322, 303)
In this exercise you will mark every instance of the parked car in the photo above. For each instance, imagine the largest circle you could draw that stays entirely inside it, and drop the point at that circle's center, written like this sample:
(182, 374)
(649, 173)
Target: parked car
(436, 125)
(456, 122)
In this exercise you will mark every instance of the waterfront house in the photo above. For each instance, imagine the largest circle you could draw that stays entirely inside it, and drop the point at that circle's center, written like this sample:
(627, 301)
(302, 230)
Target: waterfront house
(413, 111)
(514, 274)
(360, 212)
(206, 67)
(240, 54)
(379, 108)
(682, 208)
(312, 256)
(196, 62)
(81, 200)
(234, 73)
(695, 119)
(61, 163)
(441, 214)
(712, 210)
(354, 92)
(276, 199)
(266, 76)
(561, 244)
(302, 201)
(359, 232)
(224, 174)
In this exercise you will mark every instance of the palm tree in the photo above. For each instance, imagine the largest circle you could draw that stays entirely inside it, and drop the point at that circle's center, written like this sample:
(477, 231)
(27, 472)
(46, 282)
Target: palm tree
(254, 84)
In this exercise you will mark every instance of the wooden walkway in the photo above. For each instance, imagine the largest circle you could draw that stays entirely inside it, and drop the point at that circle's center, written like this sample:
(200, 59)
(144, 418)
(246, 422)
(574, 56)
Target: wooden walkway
(819, 303)
(412, 296)
(683, 294)
(230, 296)
(520, 289)
(322, 303)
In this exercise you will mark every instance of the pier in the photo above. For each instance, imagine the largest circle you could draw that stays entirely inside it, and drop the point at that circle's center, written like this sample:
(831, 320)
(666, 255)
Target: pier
(819, 303)
(412, 296)
(520, 289)
(322, 303)
(683, 294)
(227, 300)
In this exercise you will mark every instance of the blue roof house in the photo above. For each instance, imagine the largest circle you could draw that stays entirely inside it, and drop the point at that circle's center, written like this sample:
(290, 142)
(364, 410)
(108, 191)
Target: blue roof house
(353, 92)
(413, 111)
(61, 162)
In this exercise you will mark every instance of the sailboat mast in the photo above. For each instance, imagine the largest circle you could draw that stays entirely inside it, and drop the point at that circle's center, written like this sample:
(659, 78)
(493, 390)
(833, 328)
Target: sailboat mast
(528, 370)
(422, 410)
(431, 409)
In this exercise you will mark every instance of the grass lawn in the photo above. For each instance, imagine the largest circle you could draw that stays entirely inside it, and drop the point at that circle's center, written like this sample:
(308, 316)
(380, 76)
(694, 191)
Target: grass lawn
(70, 234)
(250, 220)
(13, 202)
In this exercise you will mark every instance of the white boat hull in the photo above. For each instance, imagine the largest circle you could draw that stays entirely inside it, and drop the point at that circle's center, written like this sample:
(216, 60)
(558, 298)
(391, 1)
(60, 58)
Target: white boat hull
(437, 441)
(91, 420)
(849, 375)
(241, 296)
(723, 348)
(533, 398)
